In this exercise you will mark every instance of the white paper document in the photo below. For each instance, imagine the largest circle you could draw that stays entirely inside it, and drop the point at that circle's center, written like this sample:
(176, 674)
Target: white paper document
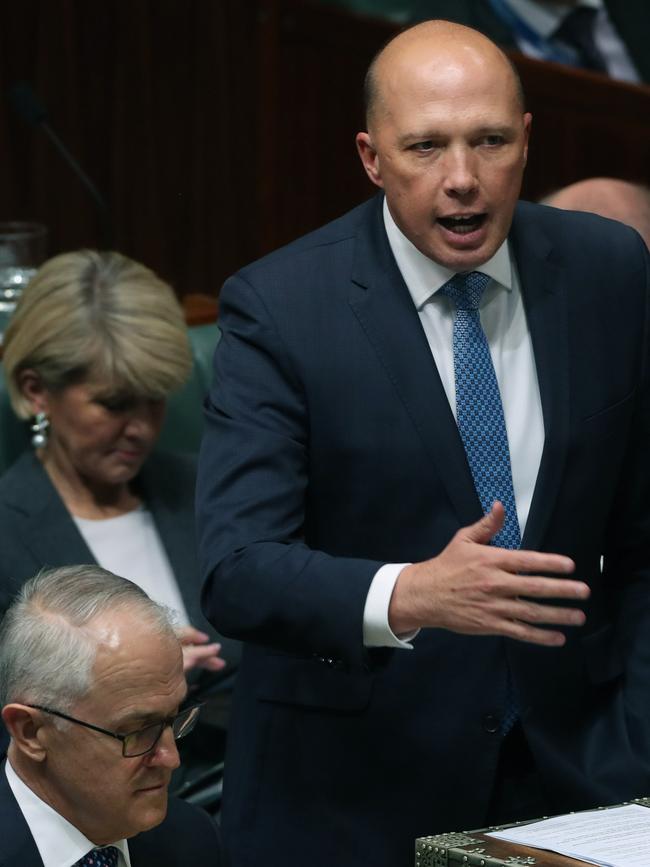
(616, 837)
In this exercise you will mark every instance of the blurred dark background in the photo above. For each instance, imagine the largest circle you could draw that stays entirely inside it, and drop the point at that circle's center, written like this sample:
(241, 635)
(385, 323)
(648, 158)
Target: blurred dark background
(220, 129)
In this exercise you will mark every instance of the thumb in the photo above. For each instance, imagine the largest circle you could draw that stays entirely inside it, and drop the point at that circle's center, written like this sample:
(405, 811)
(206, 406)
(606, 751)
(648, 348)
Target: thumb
(489, 525)
(191, 635)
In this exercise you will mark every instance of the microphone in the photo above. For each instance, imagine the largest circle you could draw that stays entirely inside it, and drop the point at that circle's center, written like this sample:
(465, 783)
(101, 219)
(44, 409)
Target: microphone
(28, 106)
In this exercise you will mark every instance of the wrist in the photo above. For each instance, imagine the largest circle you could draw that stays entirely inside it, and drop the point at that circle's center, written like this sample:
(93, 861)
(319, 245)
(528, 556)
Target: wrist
(402, 609)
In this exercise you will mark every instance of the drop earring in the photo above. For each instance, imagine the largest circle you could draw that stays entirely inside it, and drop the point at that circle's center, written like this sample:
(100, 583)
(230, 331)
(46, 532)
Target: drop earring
(39, 428)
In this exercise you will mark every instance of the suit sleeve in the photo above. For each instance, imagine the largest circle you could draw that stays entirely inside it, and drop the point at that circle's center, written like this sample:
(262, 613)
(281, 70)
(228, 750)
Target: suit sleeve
(263, 582)
(626, 557)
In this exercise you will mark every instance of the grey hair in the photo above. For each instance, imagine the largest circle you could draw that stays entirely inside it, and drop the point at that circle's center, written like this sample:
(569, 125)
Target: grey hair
(46, 655)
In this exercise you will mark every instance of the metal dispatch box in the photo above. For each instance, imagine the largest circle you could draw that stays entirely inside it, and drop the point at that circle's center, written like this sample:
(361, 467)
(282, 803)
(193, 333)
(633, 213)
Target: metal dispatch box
(475, 849)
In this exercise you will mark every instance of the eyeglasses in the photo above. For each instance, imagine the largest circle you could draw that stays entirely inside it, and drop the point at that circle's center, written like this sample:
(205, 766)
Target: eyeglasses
(142, 741)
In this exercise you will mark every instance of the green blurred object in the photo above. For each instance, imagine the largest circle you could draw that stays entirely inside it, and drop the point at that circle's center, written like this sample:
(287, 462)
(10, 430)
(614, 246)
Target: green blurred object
(183, 426)
(184, 420)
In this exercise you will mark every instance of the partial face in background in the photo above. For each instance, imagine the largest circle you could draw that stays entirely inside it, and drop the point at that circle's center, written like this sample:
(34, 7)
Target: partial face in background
(138, 681)
(447, 142)
(101, 436)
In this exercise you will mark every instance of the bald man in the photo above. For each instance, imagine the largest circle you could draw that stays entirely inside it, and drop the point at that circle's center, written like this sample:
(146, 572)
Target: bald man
(610, 197)
(429, 423)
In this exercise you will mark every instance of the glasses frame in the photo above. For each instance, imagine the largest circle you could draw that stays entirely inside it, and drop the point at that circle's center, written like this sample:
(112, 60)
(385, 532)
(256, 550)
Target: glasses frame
(164, 723)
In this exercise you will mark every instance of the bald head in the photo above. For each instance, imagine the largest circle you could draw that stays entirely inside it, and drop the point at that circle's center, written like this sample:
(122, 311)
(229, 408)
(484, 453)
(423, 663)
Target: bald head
(447, 141)
(426, 45)
(609, 197)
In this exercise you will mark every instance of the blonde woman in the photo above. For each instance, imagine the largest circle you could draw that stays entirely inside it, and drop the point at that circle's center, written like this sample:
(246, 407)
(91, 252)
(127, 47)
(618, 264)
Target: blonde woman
(95, 346)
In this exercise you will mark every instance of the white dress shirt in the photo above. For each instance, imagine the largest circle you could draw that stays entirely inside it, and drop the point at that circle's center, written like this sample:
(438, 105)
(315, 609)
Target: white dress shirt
(504, 322)
(129, 545)
(544, 20)
(59, 843)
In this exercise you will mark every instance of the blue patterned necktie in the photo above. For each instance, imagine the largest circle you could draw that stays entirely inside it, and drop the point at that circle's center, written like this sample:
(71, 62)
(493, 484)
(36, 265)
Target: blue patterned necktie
(482, 426)
(106, 857)
(479, 412)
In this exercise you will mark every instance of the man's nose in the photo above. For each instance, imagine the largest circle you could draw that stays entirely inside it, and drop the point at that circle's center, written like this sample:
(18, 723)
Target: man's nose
(165, 752)
(460, 174)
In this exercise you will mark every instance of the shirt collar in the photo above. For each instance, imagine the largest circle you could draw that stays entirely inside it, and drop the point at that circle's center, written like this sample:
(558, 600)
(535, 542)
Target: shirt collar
(59, 843)
(424, 277)
(545, 18)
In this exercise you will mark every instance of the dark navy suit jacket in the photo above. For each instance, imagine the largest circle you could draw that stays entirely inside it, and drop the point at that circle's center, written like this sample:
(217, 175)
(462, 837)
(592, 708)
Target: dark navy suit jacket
(186, 837)
(331, 449)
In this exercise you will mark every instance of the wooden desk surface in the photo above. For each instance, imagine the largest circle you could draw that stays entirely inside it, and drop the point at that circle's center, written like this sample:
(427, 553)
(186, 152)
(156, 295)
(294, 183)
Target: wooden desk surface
(486, 851)
(476, 849)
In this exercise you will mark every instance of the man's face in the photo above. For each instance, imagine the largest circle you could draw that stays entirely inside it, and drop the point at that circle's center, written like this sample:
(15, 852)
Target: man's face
(138, 681)
(448, 144)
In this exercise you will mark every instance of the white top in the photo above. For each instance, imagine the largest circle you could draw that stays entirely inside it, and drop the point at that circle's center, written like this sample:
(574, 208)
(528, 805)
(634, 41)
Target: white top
(544, 19)
(504, 322)
(129, 545)
(59, 843)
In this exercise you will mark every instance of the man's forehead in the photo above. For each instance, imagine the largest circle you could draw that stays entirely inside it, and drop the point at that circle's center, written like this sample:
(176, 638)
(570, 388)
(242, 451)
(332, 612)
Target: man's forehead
(472, 103)
(143, 709)
(136, 668)
(147, 696)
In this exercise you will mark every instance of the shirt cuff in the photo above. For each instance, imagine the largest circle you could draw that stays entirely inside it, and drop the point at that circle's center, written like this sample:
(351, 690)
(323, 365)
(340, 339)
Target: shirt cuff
(376, 629)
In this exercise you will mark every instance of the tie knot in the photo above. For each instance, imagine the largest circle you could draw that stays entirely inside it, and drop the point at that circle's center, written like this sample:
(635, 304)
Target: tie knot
(466, 290)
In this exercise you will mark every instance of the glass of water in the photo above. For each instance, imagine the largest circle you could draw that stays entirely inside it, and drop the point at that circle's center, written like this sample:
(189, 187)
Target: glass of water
(23, 247)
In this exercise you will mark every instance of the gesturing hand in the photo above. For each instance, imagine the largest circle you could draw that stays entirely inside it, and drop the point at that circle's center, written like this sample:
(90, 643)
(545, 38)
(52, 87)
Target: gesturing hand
(196, 652)
(476, 589)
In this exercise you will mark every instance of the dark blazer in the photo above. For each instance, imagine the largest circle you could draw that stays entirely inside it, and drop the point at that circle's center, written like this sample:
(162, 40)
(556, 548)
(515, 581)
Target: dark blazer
(187, 836)
(630, 17)
(330, 449)
(36, 531)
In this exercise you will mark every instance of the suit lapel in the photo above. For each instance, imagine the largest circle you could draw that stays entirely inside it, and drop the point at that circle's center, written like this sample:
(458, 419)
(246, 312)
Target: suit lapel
(49, 532)
(544, 287)
(383, 305)
(385, 309)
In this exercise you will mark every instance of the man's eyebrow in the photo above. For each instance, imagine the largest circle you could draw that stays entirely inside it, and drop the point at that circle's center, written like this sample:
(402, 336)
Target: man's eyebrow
(412, 137)
(492, 128)
(145, 717)
(138, 719)
(409, 138)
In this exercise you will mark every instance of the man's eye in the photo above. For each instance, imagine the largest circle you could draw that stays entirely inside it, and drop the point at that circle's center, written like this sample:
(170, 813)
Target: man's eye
(423, 146)
(492, 140)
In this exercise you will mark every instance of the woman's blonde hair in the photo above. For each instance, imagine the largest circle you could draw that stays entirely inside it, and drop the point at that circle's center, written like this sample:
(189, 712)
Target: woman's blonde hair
(98, 317)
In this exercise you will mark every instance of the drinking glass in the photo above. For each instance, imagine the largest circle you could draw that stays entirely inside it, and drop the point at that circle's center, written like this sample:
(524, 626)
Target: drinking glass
(23, 247)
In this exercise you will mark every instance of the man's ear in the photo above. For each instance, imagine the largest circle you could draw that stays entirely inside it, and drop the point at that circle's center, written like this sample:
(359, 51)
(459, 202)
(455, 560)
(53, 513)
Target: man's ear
(25, 725)
(369, 158)
(33, 390)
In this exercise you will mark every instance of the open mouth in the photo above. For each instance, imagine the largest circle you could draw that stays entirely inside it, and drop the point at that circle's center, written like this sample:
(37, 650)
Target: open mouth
(463, 225)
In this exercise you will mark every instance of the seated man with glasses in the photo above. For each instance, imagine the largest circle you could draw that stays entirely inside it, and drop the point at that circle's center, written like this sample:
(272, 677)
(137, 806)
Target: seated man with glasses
(91, 684)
